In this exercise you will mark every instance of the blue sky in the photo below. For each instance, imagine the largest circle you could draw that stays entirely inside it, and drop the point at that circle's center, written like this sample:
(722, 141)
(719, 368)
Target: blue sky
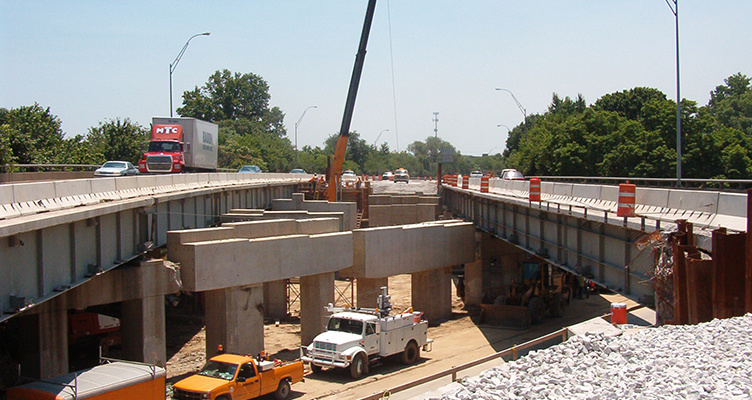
(94, 61)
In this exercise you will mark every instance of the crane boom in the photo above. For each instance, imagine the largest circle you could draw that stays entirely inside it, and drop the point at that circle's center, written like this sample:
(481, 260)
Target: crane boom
(344, 130)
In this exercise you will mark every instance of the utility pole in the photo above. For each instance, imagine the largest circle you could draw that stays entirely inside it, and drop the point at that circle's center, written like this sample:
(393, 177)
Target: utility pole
(436, 124)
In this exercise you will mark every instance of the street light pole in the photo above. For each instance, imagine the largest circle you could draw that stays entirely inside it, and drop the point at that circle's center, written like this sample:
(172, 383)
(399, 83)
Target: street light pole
(524, 112)
(675, 11)
(174, 64)
(296, 133)
(377, 137)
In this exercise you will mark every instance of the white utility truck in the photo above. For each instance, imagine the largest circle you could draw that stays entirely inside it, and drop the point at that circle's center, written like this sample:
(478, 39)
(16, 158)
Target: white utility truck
(356, 337)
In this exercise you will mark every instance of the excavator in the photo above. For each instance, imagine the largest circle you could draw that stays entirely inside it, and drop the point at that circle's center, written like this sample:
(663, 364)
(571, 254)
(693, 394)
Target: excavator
(335, 171)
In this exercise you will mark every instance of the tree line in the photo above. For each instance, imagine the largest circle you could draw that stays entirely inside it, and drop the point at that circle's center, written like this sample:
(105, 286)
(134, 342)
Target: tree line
(630, 133)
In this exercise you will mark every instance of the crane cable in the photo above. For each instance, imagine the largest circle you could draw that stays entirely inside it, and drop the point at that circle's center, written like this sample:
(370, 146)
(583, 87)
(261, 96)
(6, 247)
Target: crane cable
(391, 59)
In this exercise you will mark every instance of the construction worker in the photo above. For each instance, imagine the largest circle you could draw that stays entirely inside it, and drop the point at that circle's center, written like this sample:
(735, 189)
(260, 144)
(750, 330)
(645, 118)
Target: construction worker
(314, 179)
(582, 287)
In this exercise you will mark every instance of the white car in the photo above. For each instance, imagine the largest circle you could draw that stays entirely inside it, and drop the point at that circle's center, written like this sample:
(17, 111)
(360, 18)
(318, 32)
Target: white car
(512, 174)
(476, 174)
(388, 176)
(116, 168)
(349, 177)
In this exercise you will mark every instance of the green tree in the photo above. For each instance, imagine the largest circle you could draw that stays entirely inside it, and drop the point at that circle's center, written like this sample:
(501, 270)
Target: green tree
(118, 140)
(243, 142)
(6, 152)
(32, 132)
(357, 152)
(78, 150)
(228, 96)
(731, 104)
(629, 103)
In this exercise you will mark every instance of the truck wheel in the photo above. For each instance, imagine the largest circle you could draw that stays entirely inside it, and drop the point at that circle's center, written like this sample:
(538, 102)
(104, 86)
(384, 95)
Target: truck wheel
(537, 308)
(358, 366)
(315, 368)
(410, 354)
(283, 390)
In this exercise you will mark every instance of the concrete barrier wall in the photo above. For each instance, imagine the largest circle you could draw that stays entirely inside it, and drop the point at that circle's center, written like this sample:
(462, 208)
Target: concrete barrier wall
(33, 191)
(387, 251)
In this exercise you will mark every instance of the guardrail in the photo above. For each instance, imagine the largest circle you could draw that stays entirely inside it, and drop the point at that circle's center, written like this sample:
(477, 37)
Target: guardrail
(17, 173)
(512, 351)
(716, 184)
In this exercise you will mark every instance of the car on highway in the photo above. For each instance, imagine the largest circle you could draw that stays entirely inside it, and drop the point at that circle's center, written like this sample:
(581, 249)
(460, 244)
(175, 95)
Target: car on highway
(116, 168)
(476, 174)
(349, 177)
(512, 174)
(249, 169)
(388, 176)
(297, 171)
(401, 175)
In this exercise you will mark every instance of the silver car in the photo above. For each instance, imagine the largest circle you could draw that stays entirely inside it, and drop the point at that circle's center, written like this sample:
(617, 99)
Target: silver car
(116, 168)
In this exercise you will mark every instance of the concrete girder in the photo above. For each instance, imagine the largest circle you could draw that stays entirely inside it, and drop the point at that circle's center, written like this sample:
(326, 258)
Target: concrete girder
(387, 251)
(239, 262)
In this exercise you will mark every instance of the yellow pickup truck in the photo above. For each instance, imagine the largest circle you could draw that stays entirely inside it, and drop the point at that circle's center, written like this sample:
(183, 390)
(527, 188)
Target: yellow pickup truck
(236, 377)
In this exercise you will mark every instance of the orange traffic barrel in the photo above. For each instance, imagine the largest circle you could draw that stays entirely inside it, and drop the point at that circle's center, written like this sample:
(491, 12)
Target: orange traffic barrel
(454, 180)
(535, 189)
(484, 184)
(618, 313)
(465, 182)
(626, 206)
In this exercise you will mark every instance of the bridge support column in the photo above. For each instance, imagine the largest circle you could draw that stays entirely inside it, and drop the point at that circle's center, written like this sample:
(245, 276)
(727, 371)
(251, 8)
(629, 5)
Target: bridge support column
(275, 299)
(234, 319)
(432, 294)
(474, 283)
(43, 346)
(316, 291)
(369, 290)
(143, 330)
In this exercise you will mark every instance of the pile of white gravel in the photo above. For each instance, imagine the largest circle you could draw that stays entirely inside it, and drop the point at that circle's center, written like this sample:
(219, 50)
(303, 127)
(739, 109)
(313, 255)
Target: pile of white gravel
(711, 360)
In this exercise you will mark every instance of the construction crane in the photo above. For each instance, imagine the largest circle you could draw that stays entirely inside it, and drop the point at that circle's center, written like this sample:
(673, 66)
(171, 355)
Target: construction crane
(344, 131)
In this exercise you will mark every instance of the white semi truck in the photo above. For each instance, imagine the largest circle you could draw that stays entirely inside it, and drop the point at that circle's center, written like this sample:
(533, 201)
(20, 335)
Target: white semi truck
(356, 337)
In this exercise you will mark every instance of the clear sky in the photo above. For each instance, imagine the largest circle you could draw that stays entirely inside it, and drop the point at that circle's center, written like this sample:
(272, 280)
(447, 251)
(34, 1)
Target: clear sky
(91, 61)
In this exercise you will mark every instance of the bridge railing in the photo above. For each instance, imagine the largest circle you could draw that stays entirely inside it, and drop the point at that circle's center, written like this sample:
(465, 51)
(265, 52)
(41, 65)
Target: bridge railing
(695, 183)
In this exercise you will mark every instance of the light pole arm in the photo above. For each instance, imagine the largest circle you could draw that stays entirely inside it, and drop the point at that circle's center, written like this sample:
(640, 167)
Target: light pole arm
(174, 64)
(524, 112)
(378, 137)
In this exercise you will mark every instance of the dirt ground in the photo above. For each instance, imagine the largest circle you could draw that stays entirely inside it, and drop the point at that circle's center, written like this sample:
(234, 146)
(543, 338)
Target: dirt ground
(186, 335)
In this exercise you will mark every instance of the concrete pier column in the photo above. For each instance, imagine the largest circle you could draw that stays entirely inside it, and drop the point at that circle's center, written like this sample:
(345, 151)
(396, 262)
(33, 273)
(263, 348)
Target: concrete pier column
(316, 291)
(43, 346)
(474, 283)
(142, 326)
(235, 319)
(275, 300)
(432, 294)
(369, 290)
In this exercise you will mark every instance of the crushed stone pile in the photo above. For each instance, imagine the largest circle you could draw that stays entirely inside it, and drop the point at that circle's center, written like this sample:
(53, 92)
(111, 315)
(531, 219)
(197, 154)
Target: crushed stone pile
(711, 360)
